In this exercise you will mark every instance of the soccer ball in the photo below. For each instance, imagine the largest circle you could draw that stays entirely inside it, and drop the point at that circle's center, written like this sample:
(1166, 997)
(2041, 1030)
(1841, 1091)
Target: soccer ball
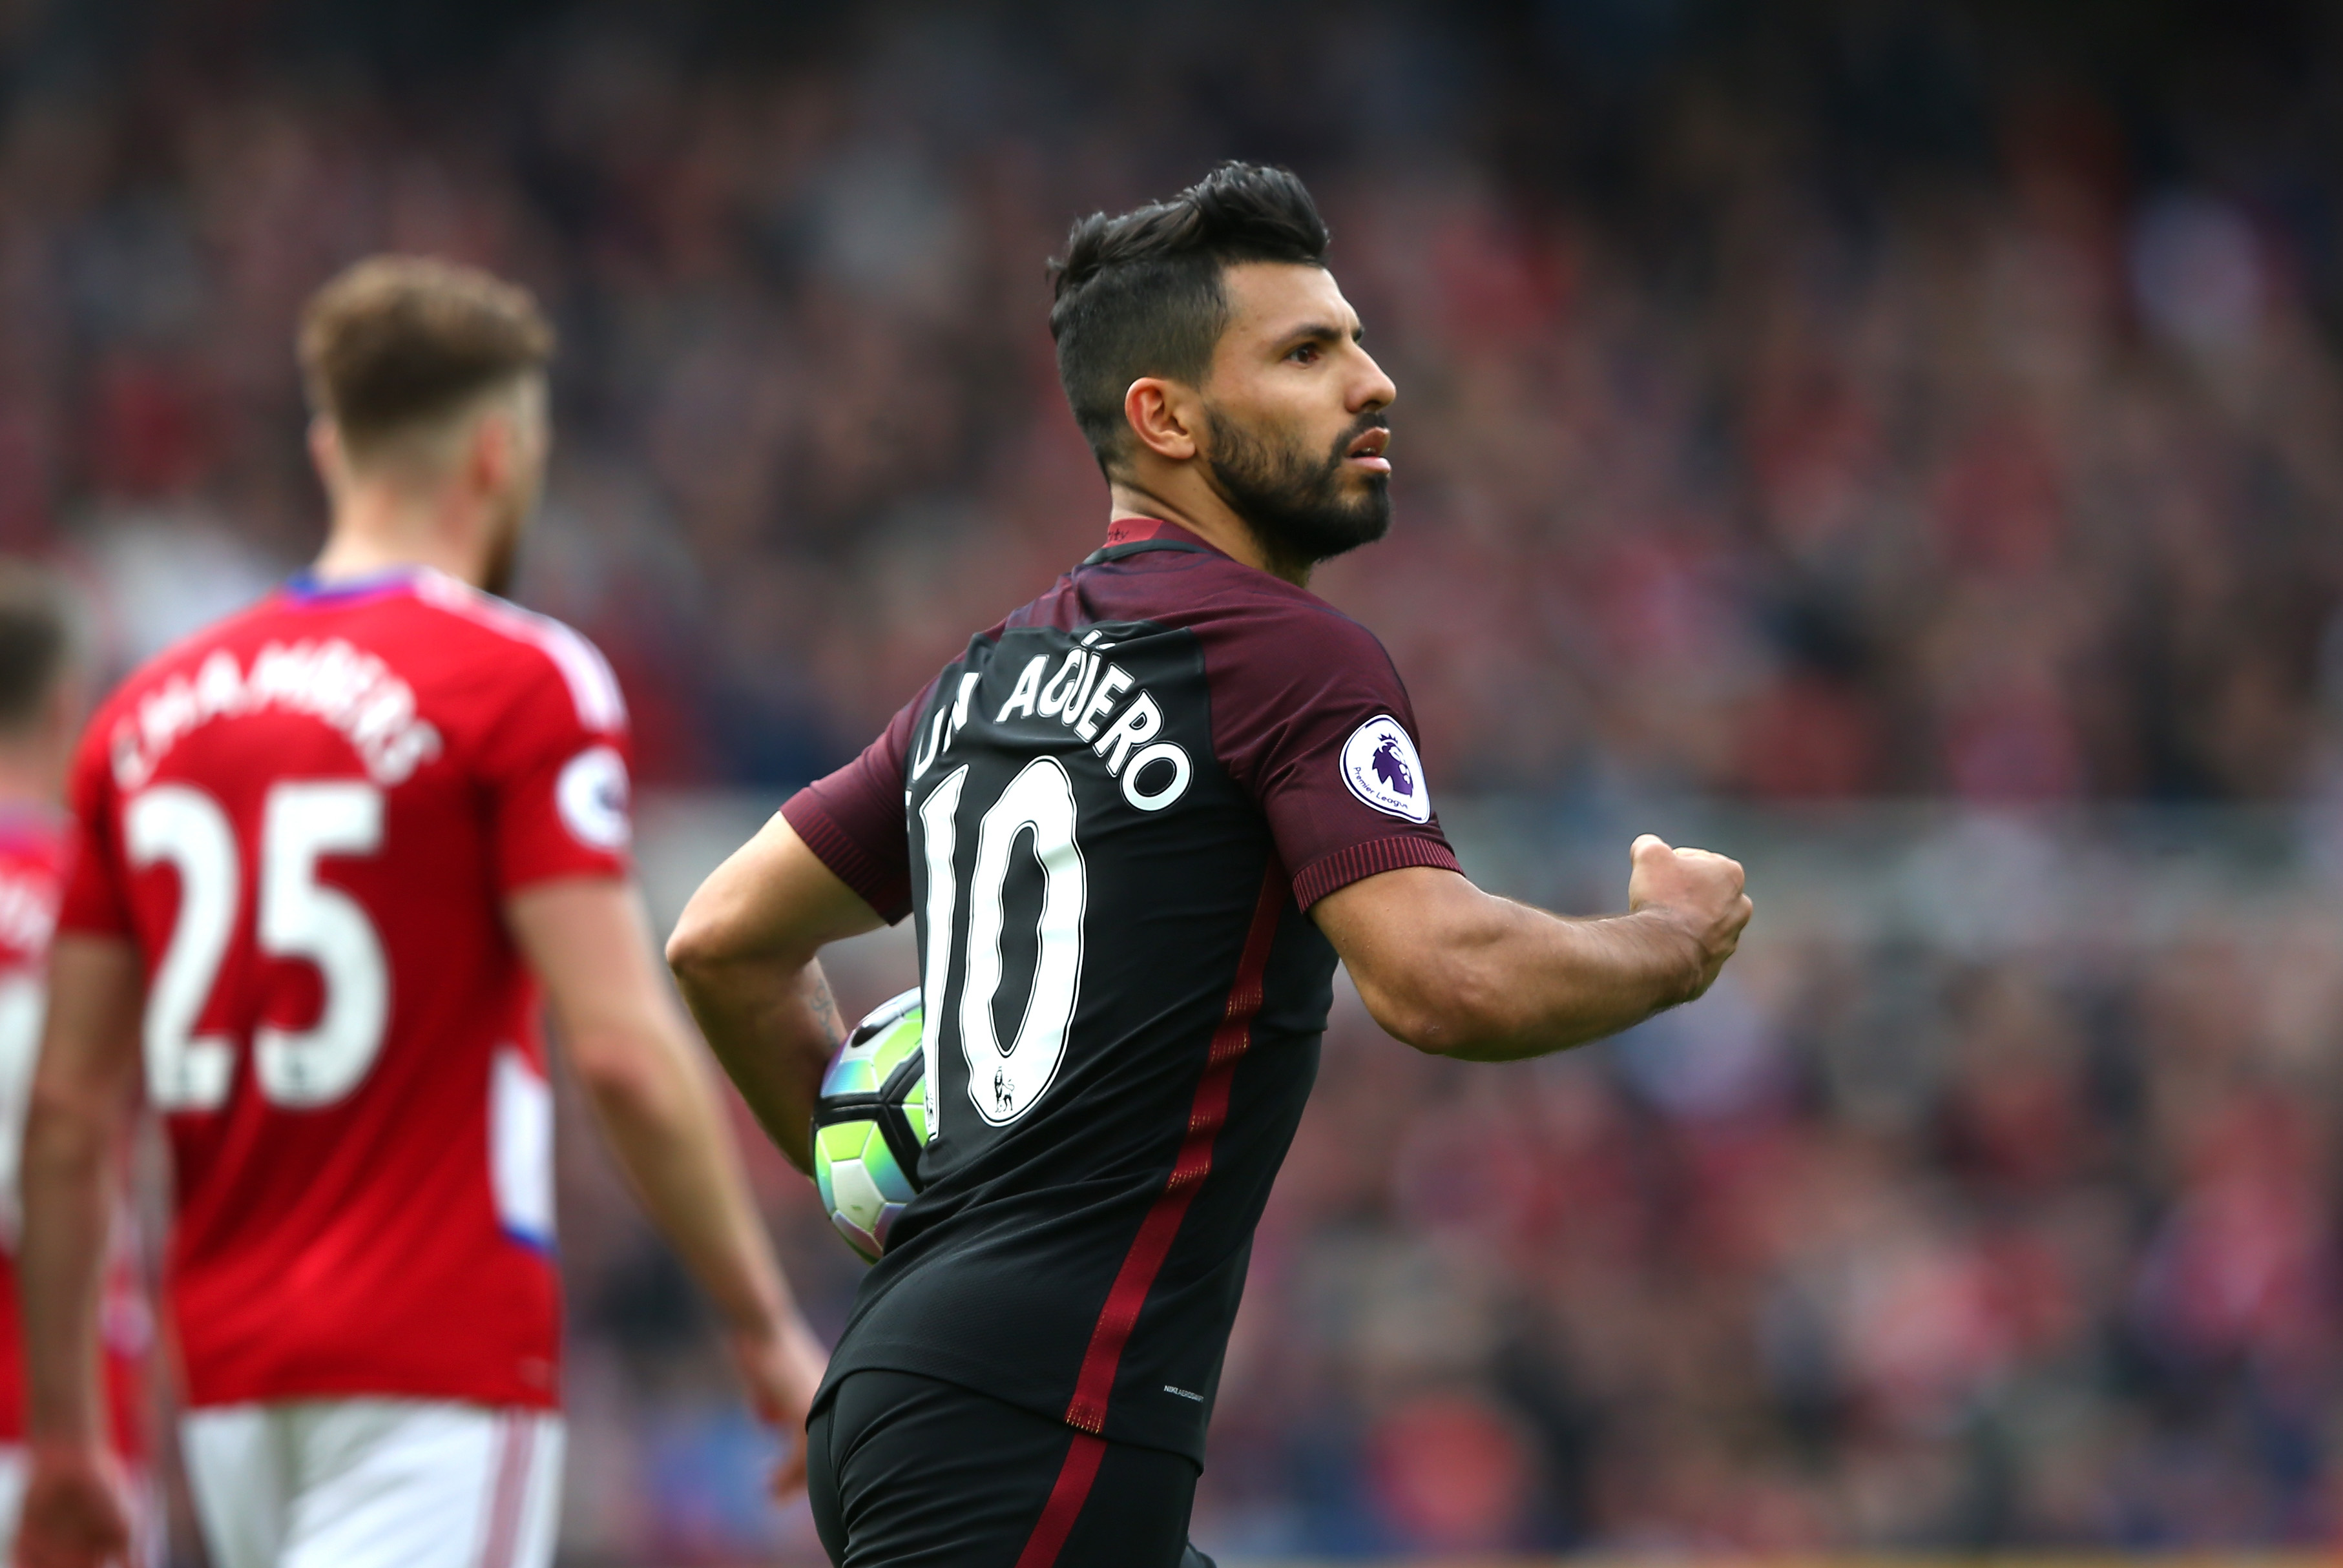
(871, 1123)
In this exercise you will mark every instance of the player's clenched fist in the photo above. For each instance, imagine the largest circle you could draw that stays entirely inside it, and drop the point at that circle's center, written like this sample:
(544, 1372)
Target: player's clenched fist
(1700, 890)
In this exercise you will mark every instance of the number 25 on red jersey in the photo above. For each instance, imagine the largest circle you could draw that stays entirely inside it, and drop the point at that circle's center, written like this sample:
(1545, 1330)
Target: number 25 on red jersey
(299, 918)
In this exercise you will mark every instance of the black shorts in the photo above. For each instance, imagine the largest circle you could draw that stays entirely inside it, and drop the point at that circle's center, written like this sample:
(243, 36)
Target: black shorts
(908, 1471)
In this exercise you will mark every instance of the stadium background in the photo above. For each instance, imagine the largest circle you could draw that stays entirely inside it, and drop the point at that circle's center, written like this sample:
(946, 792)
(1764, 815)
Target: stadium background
(1894, 440)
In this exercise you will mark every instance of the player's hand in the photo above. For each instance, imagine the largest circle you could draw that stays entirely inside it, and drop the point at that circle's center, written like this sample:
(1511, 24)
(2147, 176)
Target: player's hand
(1699, 892)
(76, 1509)
(781, 1369)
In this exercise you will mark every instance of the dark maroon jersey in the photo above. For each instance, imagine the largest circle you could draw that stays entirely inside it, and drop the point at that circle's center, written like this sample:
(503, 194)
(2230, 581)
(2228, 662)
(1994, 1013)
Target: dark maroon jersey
(1110, 814)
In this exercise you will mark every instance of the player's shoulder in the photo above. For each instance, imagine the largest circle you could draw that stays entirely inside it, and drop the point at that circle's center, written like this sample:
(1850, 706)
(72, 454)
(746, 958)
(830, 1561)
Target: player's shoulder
(1240, 610)
(528, 649)
(1250, 617)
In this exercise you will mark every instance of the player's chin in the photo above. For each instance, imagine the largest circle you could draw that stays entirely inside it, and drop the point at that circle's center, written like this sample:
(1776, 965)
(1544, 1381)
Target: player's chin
(1367, 499)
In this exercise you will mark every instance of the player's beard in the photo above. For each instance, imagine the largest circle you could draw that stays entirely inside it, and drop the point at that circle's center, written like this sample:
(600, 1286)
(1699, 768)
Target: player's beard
(503, 563)
(1293, 502)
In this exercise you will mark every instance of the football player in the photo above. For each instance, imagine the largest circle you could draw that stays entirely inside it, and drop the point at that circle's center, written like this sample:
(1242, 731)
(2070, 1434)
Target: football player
(329, 850)
(41, 709)
(1138, 822)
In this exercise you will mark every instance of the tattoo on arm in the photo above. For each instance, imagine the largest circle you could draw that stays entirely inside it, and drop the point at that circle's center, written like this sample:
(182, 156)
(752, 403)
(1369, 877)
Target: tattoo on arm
(824, 1008)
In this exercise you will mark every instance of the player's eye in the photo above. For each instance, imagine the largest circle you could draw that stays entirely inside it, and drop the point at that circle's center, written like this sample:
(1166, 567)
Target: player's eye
(1304, 354)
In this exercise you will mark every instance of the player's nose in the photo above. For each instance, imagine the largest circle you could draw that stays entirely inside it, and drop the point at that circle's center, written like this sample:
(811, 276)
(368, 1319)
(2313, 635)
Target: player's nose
(1373, 388)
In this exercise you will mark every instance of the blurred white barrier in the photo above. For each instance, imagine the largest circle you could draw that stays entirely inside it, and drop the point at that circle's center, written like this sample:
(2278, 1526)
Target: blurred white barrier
(680, 836)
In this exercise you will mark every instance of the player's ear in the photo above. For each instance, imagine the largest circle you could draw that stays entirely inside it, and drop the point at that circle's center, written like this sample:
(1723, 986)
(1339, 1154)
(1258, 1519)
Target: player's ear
(1158, 416)
(325, 452)
(492, 452)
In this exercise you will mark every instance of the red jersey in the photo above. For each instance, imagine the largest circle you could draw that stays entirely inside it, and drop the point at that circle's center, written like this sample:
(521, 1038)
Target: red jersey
(33, 845)
(308, 819)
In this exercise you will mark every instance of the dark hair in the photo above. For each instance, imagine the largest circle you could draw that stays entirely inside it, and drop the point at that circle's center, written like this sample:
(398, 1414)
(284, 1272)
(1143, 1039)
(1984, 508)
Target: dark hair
(37, 641)
(1141, 295)
(400, 341)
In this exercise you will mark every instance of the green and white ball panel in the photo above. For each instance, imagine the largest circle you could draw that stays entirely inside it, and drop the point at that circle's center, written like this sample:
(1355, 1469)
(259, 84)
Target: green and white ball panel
(871, 1123)
(862, 1184)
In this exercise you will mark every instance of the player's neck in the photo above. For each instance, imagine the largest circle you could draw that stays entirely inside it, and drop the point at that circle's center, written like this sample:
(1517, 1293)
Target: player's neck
(32, 774)
(379, 528)
(1199, 509)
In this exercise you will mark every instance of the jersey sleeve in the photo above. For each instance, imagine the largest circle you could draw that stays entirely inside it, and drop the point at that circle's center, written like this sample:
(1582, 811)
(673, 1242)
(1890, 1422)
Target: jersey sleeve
(1310, 717)
(853, 820)
(556, 768)
(95, 902)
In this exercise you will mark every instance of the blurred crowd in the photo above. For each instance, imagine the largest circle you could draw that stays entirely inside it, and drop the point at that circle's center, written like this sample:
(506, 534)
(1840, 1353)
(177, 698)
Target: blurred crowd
(1870, 1249)
(1880, 1245)
(1848, 404)
(1855, 399)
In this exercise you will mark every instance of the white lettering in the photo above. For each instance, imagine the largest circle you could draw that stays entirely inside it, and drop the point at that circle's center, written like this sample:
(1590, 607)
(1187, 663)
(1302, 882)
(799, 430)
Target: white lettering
(1136, 727)
(1090, 678)
(219, 685)
(1062, 684)
(1028, 689)
(350, 689)
(1117, 681)
(1156, 799)
(935, 743)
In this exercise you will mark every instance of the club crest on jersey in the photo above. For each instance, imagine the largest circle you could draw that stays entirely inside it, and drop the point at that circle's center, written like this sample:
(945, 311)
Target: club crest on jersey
(1380, 765)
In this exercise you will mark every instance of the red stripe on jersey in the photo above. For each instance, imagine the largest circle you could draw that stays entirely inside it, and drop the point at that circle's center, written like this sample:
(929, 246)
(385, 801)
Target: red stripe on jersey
(517, 1436)
(1065, 1505)
(1087, 1410)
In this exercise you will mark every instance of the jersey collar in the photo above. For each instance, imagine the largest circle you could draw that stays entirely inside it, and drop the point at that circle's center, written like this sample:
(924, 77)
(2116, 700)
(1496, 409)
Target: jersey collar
(306, 587)
(1133, 531)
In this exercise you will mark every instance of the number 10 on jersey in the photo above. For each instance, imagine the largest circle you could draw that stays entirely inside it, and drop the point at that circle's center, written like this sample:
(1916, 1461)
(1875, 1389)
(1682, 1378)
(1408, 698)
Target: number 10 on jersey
(1003, 1080)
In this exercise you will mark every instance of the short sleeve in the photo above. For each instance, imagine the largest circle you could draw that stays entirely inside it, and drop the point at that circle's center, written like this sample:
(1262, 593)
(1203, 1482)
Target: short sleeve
(853, 820)
(556, 771)
(95, 901)
(1310, 717)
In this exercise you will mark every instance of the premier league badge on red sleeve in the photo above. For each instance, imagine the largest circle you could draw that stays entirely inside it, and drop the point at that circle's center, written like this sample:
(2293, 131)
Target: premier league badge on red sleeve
(592, 796)
(1380, 765)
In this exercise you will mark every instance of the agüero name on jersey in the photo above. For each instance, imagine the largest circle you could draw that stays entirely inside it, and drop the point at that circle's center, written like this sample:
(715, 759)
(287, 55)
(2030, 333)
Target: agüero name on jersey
(1096, 700)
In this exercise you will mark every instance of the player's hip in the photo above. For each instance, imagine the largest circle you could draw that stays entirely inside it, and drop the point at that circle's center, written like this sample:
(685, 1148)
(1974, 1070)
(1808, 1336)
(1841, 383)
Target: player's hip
(907, 1471)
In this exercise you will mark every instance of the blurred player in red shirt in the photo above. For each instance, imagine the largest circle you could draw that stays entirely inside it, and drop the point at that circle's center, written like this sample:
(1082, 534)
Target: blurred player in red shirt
(41, 699)
(330, 849)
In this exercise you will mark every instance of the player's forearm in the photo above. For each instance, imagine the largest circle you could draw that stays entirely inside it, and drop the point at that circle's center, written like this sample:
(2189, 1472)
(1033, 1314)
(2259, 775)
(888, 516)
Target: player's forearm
(661, 1118)
(743, 955)
(67, 1185)
(1485, 979)
(773, 1027)
(1537, 983)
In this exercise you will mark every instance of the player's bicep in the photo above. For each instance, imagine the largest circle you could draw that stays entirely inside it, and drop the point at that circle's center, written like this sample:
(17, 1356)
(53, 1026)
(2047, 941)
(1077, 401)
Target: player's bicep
(773, 900)
(89, 1057)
